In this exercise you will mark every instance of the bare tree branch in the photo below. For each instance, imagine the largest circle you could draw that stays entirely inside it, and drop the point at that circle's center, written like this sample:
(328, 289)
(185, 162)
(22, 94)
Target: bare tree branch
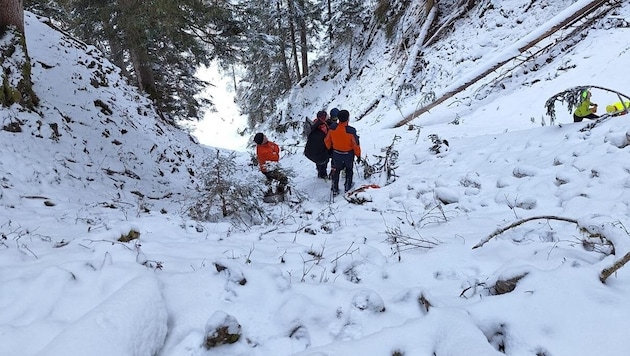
(607, 272)
(520, 222)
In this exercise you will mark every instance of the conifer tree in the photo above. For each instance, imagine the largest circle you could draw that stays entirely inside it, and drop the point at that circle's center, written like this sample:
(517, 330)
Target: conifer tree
(159, 44)
(349, 18)
(266, 71)
(278, 40)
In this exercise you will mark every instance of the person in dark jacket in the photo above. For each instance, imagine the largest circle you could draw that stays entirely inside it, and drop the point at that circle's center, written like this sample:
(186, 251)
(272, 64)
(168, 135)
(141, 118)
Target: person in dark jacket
(344, 142)
(315, 149)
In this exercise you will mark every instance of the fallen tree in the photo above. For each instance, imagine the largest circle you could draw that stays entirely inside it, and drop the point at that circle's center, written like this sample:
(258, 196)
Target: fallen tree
(519, 49)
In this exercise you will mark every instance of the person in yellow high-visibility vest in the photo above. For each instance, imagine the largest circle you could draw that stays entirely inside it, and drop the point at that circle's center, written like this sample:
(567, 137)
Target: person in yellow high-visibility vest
(586, 109)
(618, 108)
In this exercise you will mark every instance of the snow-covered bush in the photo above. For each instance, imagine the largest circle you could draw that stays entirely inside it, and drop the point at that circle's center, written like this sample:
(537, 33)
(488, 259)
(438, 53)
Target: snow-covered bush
(228, 191)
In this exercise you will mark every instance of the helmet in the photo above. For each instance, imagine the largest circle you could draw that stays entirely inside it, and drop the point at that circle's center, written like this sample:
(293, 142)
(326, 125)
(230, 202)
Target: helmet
(585, 93)
(334, 112)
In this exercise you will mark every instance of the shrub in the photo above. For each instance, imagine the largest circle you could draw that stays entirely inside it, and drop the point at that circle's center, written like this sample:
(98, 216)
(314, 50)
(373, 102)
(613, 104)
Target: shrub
(228, 190)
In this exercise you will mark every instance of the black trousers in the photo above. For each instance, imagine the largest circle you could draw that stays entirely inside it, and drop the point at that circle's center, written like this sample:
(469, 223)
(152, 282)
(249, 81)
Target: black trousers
(322, 169)
(589, 116)
(343, 161)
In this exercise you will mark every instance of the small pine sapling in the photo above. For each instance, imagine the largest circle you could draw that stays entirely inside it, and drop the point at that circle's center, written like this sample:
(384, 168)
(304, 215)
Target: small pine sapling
(228, 191)
(385, 163)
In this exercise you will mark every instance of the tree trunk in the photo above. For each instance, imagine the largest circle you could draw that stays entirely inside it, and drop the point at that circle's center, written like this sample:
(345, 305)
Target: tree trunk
(234, 82)
(136, 42)
(292, 31)
(330, 24)
(12, 14)
(116, 49)
(581, 13)
(12, 28)
(350, 59)
(117, 55)
(303, 39)
(144, 73)
(283, 51)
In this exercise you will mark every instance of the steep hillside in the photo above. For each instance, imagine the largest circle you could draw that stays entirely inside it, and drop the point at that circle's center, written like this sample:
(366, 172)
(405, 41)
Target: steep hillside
(386, 78)
(93, 132)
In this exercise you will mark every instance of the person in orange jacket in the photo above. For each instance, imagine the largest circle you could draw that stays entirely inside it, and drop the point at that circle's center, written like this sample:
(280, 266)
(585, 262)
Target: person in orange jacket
(268, 155)
(344, 142)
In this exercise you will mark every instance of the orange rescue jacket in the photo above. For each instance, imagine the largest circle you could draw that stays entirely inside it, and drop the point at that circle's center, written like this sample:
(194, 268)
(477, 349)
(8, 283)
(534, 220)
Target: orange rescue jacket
(343, 138)
(267, 152)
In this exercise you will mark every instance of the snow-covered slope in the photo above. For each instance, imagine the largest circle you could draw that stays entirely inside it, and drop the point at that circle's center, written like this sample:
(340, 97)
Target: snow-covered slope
(94, 157)
(394, 76)
(93, 133)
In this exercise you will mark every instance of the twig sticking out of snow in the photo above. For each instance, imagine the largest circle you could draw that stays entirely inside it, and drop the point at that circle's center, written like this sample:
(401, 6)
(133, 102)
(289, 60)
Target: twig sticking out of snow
(607, 272)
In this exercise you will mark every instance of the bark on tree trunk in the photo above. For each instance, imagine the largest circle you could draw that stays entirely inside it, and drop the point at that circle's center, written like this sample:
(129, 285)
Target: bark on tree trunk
(144, 73)
(304, 50)
(330, 24)
(11, 14)
(581, 13)
(118, 56)
(350, 59)
(234, 82)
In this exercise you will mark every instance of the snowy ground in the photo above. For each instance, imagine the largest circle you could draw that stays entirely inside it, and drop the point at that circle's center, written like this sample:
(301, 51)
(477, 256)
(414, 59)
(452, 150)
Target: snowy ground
(325, 278)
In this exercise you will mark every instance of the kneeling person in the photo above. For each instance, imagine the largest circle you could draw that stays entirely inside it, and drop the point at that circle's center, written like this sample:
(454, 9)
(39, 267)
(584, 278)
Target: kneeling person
(268, 155)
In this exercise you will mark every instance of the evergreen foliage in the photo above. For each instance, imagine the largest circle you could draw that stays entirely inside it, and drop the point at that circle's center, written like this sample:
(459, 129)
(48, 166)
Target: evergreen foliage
(160, 44)
(266, 74)
(347, 16)
(389, 13)
(571, 97)
(228, 191)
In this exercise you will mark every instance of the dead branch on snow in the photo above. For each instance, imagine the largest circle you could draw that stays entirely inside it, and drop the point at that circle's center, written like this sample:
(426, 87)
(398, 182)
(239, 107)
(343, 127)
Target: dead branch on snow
(520, 222)
(607, 272)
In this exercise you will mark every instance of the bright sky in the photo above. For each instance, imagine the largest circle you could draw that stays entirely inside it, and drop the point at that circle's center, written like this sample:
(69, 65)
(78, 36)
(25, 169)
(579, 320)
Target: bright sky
(219, 129)
(324, 276)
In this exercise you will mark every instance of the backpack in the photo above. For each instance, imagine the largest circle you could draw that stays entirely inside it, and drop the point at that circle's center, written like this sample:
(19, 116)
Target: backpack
(308, 126)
